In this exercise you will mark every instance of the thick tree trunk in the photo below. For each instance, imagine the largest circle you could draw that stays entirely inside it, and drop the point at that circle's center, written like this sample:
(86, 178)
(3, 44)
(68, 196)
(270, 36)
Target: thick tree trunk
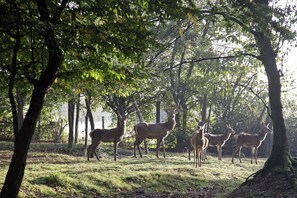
(280, 152)
(20, 107)
(23, 137)
(12, 76)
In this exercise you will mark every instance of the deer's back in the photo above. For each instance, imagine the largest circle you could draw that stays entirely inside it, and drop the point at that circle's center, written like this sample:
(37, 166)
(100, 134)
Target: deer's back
(107, 135)
(248, 140)
(215, 139)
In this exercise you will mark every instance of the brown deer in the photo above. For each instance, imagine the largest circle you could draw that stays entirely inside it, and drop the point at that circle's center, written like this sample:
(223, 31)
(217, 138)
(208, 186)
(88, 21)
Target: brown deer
(157, 131)
(218, 140)
(114, 135)
(199, 143)
(190, 148)
(250, 140)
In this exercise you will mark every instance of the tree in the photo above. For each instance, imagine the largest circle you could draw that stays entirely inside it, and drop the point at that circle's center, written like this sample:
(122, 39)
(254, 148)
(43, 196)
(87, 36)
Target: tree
(257, 21)
(23, 136)
(121, 30)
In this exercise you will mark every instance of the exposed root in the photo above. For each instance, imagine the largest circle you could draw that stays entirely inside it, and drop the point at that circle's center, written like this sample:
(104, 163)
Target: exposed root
(269, 182)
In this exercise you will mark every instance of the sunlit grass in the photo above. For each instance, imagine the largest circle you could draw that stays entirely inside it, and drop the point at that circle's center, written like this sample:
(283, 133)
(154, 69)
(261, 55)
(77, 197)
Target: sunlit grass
(61, 175)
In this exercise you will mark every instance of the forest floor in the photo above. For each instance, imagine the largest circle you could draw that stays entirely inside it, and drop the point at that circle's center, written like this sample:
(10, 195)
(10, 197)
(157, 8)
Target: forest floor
(53, 171)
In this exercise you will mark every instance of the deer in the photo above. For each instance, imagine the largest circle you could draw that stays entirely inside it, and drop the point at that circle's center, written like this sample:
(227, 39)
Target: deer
(190, 148)
(157, 131)
(218, 140)
(199, 143)
(114, 135)
(253, 141)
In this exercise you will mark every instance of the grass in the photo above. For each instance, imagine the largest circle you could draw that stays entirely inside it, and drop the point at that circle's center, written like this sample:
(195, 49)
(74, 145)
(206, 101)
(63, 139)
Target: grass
(53, 174)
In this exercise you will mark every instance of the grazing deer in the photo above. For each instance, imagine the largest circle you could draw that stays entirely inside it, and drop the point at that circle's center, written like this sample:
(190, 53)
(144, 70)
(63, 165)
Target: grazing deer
(199, 143)
(157, 131)
(114, 135)
(250, 140)
(218, 140)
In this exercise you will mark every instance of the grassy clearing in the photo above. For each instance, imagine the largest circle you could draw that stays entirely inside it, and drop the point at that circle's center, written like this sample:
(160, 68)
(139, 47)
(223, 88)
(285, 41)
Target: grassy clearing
(51, 174)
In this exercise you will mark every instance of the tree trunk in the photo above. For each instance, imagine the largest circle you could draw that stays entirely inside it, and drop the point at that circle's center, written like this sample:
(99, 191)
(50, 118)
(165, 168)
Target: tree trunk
(23, 137)
(77, 118)
(280, 152)
(158, 110)
(86, 132)
(89, 110)
(20, 106)
(204, 107)
(12, 76)
(181, 141)
(71, 106)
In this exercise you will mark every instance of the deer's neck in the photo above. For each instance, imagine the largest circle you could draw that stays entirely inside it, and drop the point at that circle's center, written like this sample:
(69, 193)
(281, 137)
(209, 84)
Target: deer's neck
(262, 135)
(227, 135)
(122, 128)
(200, 134)
(170, 124)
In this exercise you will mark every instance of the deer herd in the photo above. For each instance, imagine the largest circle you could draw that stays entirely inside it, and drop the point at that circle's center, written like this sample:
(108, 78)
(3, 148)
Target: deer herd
(199, 142)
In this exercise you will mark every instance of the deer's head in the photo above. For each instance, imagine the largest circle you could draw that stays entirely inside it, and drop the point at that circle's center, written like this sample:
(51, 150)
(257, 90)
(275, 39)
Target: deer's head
(266, 129)
(229, 129)
(200, 124)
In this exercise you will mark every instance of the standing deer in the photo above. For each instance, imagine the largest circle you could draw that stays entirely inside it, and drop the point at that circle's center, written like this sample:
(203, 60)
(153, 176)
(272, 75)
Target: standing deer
(199, 143)
(219, 140)
(114, 135)
(157, 131)
(250, 140)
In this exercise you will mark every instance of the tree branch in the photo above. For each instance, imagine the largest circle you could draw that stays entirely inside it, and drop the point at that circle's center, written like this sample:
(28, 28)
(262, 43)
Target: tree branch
(212, 58)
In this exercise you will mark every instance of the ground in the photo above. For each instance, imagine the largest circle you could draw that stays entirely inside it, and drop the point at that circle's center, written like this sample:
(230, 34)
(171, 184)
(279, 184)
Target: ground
(273, 185)
(53, 171)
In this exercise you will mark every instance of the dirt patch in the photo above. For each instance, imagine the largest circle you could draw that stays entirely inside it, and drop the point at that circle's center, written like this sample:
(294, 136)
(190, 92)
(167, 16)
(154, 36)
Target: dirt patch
(192, 193)
(275, 184)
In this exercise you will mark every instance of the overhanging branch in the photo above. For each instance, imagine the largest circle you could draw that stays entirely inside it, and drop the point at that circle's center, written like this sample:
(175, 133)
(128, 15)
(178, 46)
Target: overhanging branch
(212, 58)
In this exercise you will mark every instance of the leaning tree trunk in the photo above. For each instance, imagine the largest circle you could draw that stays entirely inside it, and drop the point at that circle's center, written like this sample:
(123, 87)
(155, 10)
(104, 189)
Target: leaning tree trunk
(280, 152)
(23, 137)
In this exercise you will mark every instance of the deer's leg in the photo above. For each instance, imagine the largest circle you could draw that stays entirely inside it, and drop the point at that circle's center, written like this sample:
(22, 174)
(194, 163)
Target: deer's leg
(163, 144)
(139, 141)
(256, 155)
(233, 154)
(252, 154)
(158, 147)
(91, 149)
(219, 148)
(239, 154)
(195, 157)
(135, 143)
(199, 157)
(115, 146)
(189, 153)
(205, 152)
